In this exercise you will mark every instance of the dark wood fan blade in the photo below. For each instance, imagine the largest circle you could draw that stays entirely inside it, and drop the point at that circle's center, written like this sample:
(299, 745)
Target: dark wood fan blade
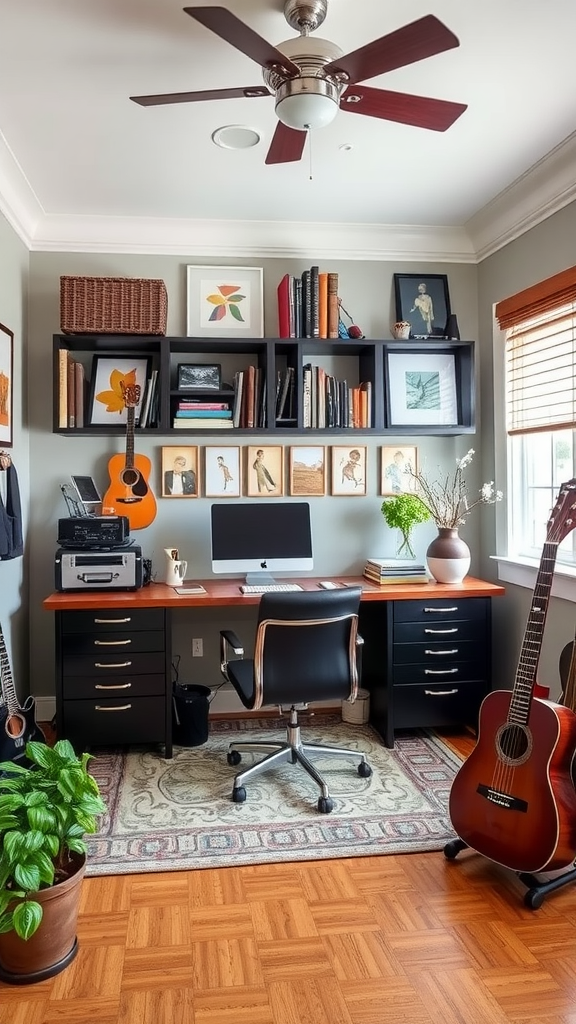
(287, 145)
(413, 42)
(420, 111)
(238, 34)
(209, 94)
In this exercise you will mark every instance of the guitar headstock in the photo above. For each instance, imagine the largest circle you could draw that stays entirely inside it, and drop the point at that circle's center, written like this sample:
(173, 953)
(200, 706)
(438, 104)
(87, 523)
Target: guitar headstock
(131, 395)
(563, 518)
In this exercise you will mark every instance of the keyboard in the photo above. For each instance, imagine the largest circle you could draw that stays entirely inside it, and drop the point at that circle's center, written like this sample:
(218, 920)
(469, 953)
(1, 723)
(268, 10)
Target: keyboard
(269, 588)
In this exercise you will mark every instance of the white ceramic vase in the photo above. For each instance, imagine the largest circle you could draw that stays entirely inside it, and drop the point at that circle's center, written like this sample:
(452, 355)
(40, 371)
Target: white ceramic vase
(448, 556)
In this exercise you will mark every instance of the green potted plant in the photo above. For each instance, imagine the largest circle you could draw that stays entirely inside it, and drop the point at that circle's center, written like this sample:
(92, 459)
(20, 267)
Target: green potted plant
(45, 812)
(403, 512)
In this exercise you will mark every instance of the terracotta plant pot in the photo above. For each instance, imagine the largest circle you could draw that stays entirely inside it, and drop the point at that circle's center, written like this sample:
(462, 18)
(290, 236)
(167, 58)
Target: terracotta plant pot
(54, 945)
(448, 556)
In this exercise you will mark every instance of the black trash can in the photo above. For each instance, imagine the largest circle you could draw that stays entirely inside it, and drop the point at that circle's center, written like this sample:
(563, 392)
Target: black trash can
(190, 707)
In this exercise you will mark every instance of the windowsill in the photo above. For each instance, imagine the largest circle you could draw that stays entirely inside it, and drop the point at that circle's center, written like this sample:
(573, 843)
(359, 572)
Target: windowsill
(523, 572)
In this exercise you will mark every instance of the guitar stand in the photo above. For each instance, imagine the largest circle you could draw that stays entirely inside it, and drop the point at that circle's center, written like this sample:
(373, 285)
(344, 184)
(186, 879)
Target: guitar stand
(537, 891)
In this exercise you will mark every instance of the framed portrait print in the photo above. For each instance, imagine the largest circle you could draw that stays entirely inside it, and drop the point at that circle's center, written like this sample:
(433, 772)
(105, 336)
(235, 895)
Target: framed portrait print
(180, 471)
(110, 374)
(398, 463)
(424, 302)
(225, 302)
(348, 469)
(421, 389)
(6, 387)
(307, 470)
(265, 471)
(222, 471)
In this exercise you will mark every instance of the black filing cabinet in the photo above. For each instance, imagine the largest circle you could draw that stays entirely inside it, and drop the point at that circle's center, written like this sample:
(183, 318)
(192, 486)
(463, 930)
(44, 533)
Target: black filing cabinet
(113, 677)
(426, 662)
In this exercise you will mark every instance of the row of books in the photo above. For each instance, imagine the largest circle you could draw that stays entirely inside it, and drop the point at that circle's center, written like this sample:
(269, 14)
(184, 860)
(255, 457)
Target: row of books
(200, 415)
(148, 411)
(395, 570)
(71, 391)
(308, 305)
(328, 402)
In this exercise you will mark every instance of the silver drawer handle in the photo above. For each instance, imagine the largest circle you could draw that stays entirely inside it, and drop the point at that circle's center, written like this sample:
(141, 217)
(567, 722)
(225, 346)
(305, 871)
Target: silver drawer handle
(111, 643)
(113, 664)
(108, 622)
(442, 632)
(435, 653)
(121, 707)
(112, 686)
(441, 610)
(441, 693)
(440, 671)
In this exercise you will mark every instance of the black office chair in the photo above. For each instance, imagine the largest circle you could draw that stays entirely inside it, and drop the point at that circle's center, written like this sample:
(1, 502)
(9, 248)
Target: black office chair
(305, 650)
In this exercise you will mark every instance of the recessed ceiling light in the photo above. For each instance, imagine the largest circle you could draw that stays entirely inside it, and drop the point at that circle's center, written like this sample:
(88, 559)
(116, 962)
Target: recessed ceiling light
(235, 136)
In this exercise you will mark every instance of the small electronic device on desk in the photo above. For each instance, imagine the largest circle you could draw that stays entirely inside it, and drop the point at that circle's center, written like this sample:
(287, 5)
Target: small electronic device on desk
(94, 569)
(94, 531)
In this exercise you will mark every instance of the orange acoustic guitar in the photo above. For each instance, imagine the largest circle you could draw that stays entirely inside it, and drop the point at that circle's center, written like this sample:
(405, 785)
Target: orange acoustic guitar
(513, 799)
(129, 493)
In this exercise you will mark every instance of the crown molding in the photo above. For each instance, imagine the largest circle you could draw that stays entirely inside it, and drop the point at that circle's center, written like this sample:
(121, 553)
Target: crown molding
(18, 202)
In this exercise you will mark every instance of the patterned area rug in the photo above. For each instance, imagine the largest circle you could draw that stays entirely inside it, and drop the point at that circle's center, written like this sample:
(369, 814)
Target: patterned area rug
(173, 815)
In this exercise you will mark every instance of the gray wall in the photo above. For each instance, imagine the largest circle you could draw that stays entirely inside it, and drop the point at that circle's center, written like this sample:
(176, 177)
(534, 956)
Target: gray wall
(346, 530)
(13, 575)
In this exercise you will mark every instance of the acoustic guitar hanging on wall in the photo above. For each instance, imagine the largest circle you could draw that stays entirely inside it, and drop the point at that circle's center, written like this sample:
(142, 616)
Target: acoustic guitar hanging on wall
(129, 493)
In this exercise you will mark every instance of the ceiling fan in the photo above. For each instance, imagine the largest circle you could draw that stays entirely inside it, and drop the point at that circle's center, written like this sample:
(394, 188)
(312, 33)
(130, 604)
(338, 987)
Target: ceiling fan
(311, 78)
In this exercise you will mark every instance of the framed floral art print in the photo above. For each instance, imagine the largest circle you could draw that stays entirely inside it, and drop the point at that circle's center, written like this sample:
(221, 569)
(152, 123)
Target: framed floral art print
(225, 302)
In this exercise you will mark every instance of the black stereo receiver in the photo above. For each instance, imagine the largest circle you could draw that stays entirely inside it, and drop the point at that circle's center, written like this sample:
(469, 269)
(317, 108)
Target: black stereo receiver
(93, 531)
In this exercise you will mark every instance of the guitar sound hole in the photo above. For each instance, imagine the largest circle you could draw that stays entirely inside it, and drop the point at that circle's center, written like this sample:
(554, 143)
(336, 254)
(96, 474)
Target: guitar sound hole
(130, 477)
(514, 743)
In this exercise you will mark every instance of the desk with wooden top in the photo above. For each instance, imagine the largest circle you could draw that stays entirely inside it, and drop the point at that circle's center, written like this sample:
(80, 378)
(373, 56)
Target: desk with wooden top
(426, 657)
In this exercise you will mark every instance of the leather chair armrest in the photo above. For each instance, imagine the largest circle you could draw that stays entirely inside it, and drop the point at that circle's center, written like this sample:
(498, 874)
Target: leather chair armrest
(229, 637)
(229, 643)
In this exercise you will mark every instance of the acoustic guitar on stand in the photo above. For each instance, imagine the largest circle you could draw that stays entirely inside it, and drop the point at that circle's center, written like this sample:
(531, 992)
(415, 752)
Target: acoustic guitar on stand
(129, 493)
(513, 799)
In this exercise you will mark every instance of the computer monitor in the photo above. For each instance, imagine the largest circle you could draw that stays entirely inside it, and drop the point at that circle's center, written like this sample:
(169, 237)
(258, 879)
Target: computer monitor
(261, 538)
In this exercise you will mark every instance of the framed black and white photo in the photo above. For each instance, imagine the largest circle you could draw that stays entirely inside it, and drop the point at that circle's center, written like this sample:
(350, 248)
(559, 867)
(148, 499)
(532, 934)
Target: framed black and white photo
(199, 376)
(423, 301)
(110, 376)
(6, 386)
(222, 471)
(421, 389)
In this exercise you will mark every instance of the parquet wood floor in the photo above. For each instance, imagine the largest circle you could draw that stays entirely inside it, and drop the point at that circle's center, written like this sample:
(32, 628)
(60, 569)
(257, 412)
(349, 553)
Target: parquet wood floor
(414, 939)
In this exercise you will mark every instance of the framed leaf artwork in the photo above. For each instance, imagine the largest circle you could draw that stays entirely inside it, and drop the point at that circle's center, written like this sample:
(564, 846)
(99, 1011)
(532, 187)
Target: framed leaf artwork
(225, 302)
(110, 374)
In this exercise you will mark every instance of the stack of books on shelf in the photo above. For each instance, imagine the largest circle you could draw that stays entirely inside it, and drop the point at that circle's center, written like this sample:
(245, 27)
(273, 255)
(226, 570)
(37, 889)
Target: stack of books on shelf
(395, 570)
(203, 416)
(328, 402)
(308, 305)
(71, 391)
(249, 408)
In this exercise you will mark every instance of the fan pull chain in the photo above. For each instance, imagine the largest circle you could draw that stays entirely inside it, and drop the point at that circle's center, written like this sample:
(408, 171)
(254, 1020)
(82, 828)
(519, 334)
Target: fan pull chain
(310, 153)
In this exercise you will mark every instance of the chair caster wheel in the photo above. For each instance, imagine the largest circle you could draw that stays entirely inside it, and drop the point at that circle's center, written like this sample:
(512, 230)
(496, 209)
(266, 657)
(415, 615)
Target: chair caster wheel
(239, 795)
(533, 899)
(234, 757)
(453, 848)
(325, 805)
(364, 770)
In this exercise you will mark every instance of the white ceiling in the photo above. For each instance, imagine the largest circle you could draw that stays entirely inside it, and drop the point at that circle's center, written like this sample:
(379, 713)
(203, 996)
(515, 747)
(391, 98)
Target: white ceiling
(74, 149)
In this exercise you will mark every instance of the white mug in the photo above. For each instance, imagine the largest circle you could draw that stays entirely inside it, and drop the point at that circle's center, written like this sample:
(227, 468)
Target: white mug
(175, 571)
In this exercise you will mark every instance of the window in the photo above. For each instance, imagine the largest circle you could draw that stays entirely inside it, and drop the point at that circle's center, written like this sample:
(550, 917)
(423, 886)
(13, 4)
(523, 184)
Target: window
(540, 325)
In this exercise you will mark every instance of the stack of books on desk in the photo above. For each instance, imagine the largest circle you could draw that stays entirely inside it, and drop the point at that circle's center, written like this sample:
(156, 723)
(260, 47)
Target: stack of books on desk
(395, 570)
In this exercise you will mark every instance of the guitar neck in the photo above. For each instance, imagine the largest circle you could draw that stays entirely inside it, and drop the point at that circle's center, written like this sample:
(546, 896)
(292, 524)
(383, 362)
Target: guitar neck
(7, 688)
(130, 438)
(532, 642)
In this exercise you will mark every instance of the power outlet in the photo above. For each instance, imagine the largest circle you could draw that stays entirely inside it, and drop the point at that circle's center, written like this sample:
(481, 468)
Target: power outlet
(198, 648)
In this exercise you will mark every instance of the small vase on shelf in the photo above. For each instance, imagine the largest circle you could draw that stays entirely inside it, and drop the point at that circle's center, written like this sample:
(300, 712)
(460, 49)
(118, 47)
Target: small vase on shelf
(448, 556)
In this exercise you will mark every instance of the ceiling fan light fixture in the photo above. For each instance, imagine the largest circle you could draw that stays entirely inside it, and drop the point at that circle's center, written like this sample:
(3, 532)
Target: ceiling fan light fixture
(307, 103)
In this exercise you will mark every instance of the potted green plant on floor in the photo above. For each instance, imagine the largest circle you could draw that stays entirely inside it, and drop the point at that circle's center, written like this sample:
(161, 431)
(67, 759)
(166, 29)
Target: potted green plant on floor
(45, 812)
(403, 512)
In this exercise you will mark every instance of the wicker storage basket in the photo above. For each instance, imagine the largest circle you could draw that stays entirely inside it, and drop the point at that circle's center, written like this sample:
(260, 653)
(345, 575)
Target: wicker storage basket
(112, 305)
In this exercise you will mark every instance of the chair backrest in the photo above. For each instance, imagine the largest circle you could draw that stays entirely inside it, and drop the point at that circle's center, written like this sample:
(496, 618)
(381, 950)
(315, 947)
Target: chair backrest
(305, 646)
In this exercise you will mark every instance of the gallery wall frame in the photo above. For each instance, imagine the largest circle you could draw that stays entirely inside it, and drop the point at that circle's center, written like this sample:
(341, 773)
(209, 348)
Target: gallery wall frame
(109, 373)
(348, 470)
(307, 473)
(222, 471)
(423, 300)
(180, 471)
(6, 387)
(224, 302)
(265, 471)
(421, 389)
(398, 463)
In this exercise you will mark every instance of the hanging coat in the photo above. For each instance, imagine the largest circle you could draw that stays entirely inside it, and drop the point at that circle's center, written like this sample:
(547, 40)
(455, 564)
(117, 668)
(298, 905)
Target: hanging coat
(11, 541)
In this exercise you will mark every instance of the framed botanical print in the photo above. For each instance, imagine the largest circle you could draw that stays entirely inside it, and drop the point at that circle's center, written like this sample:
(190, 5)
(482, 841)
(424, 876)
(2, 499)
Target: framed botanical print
(265, 471)
(180, 476)
(110, 375)
(307, 470)
(6, 386)
(348, 469)
(398, 464)
(222, 471)
(225, 302)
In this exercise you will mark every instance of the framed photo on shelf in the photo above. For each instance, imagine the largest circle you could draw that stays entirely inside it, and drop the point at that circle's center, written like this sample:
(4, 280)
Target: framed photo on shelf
(265, 471)
(421, 389)
(110, 375)
(225, 302)
(348, 469)
(6, 386)
(307, 470)
(199, 376)
(423, 301)
(397, 464)
(222, 471)
(180, 478)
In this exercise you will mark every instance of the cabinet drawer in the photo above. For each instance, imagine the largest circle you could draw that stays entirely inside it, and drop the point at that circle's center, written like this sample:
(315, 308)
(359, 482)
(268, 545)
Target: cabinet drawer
(111, 619)
(78, 687)
(447, 629)
(119, 644)
(120, 664)
(437, 704)
(439, 609)
(117, 721)
(439, 653)
(450, 671)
